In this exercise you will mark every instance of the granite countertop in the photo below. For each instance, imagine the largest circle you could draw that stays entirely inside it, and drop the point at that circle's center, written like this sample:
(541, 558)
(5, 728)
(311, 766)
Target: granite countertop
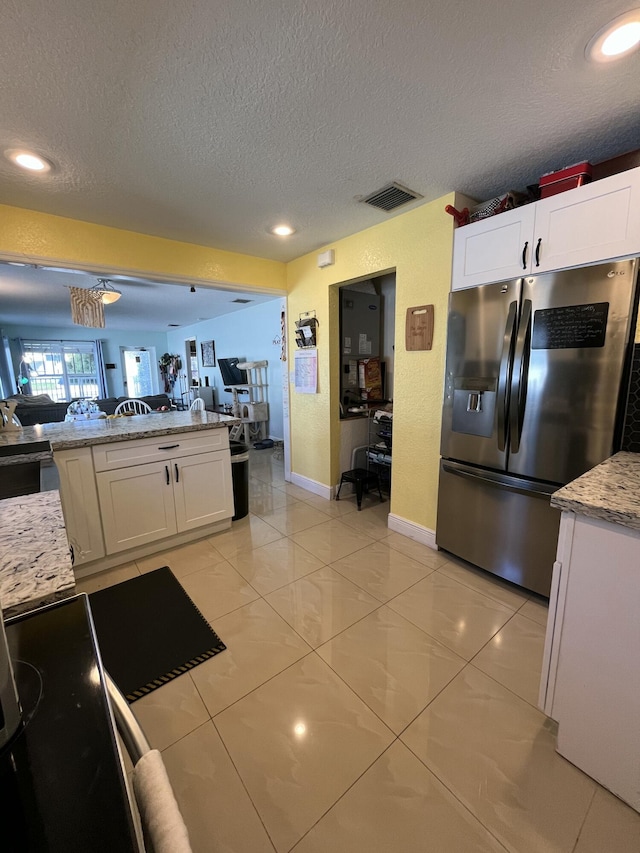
(610, 492)
(35, 564)
(63, 436)
(20, 458)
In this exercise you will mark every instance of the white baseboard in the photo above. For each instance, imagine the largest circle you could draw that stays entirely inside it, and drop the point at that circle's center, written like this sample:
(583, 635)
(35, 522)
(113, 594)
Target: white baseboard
(421, 534)
(312, 486)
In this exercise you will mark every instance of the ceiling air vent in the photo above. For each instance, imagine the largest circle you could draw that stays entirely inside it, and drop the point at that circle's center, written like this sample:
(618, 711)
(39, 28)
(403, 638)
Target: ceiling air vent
(242, 301)
(392, 196)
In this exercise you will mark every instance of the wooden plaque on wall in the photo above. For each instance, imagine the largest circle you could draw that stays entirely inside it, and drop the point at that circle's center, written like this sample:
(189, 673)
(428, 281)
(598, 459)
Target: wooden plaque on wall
(419, 328)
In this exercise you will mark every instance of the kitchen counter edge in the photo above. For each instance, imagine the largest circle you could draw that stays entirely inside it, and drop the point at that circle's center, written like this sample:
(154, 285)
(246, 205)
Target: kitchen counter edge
(609, 492)
(64, 436)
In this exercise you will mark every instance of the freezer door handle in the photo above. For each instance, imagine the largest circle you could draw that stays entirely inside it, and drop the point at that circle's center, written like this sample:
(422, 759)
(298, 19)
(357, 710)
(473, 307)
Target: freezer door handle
(526, 487)
(504, 375)
(519, 376)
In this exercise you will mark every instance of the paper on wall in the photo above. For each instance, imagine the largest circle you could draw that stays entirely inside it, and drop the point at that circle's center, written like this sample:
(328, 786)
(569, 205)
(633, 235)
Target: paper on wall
(306, 371)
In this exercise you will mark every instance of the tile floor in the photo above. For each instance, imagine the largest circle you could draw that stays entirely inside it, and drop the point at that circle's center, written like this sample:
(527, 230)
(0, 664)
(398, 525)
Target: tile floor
(374, 696)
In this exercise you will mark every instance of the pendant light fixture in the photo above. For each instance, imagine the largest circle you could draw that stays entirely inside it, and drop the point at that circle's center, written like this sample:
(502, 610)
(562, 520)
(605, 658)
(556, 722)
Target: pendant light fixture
(105, 291)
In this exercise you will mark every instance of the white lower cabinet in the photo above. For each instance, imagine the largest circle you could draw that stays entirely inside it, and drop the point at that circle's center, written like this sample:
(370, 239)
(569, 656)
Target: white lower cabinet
(202, 489)
(144, 503)
(80, 504)
(590, 674)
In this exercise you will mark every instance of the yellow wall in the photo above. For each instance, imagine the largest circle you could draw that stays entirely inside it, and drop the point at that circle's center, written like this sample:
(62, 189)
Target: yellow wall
(68, 242)
(418, 246)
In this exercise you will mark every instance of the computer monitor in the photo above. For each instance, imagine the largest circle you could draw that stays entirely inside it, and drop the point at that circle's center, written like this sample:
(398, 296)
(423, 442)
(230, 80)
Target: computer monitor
(231, 373)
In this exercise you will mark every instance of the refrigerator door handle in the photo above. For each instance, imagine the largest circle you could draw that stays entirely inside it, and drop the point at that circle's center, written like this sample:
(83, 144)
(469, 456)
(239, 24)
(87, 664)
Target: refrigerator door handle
(516, 484)
(519, 376)
(504, 375)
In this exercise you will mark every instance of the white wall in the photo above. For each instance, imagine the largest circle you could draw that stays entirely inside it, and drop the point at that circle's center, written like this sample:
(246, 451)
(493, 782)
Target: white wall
(248, 334)
(112, 340)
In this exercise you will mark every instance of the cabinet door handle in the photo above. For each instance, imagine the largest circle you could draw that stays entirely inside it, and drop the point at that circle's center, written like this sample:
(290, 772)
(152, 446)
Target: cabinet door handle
(538, 251)
(166, 471)
(524, 255)
(177, 472)
(169, 447)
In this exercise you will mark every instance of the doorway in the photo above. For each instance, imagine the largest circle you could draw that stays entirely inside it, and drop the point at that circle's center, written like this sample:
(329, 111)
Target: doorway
(139, 371)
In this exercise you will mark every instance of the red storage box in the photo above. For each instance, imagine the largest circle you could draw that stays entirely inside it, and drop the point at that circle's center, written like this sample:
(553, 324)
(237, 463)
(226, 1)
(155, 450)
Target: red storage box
(565, 179)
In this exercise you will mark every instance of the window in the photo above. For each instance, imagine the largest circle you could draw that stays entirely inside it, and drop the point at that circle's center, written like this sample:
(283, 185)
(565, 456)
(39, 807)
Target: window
(65, 370)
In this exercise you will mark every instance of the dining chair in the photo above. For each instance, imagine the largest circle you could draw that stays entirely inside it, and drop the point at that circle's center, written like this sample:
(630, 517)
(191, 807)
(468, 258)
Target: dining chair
(197, 405)
(138, 407)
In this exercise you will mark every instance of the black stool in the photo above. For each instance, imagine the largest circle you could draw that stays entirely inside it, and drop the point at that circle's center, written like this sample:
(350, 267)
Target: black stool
(362, 479)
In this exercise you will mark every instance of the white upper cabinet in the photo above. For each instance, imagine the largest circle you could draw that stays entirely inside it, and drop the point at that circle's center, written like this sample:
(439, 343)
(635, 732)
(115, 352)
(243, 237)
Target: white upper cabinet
(495, 249)
(595, 222)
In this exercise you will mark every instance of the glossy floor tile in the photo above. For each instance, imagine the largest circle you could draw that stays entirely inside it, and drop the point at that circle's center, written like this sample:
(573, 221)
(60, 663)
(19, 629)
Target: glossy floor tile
(497, 755)
(274, 565)
(610, 826)
(427, 556)
(213, 801)
(398, 805)
(183, 560)
(331, 540)
(381, 571)
(245, 534)
(514, 657)
(393, 666)
(299, 742)
(488, 584)
(102, 580)
(376, 696)
(456, 615)
(295, 517)
(171, 712)
(321, 605)
(218, 590)
(260, 644)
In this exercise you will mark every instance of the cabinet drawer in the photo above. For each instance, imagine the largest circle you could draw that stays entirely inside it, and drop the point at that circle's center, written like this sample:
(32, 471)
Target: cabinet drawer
(123, 454)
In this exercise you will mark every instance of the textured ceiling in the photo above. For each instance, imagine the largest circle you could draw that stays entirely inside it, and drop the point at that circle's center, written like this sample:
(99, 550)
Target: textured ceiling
(209, 122)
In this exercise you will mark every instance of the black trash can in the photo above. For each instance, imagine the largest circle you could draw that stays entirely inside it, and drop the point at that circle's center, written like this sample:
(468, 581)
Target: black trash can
(240, 478)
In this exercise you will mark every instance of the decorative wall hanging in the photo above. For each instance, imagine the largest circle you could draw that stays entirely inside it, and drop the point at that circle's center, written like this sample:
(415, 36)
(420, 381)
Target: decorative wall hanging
(86, 310)
(208, 349)
(419, 328)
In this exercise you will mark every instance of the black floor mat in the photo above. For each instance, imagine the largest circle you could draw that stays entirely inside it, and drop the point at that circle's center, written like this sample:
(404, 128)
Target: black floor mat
(149, 632)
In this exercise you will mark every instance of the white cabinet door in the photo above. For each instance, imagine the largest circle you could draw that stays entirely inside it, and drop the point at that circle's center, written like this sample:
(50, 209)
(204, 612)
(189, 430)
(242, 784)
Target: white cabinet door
(494, 249)
(592, 223)
(137, 505)
(202, 489)
(79, 500)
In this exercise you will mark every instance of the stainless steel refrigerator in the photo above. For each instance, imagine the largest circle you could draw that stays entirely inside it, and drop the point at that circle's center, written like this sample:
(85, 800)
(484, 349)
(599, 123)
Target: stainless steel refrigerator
(537, 372)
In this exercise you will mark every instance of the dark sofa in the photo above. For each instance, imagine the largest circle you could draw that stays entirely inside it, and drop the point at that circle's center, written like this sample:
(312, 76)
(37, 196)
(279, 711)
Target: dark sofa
(36, 409)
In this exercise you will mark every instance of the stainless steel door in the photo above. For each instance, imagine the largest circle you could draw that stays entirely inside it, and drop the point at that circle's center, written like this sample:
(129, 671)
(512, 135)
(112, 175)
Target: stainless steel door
(480, 342)
(500, 523)
(569, 356)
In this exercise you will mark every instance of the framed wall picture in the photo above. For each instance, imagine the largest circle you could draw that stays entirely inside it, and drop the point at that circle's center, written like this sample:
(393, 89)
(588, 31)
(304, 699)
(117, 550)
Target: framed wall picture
(208, 349)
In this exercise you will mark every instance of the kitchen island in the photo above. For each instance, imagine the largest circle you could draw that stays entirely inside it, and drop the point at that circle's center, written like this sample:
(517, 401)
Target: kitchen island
(590, 675)
(133, 486)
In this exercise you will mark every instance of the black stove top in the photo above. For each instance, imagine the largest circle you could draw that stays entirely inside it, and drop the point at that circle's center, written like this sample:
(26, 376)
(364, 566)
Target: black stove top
(62, 788)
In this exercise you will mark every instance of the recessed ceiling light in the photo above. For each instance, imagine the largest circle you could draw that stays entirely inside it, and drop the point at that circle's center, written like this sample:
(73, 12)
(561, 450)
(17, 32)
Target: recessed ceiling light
(28, 160)
(283, 230)
(617, 39)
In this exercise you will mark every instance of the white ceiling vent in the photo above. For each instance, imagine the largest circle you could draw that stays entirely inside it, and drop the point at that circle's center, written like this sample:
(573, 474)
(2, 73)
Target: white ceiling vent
(392, 196)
